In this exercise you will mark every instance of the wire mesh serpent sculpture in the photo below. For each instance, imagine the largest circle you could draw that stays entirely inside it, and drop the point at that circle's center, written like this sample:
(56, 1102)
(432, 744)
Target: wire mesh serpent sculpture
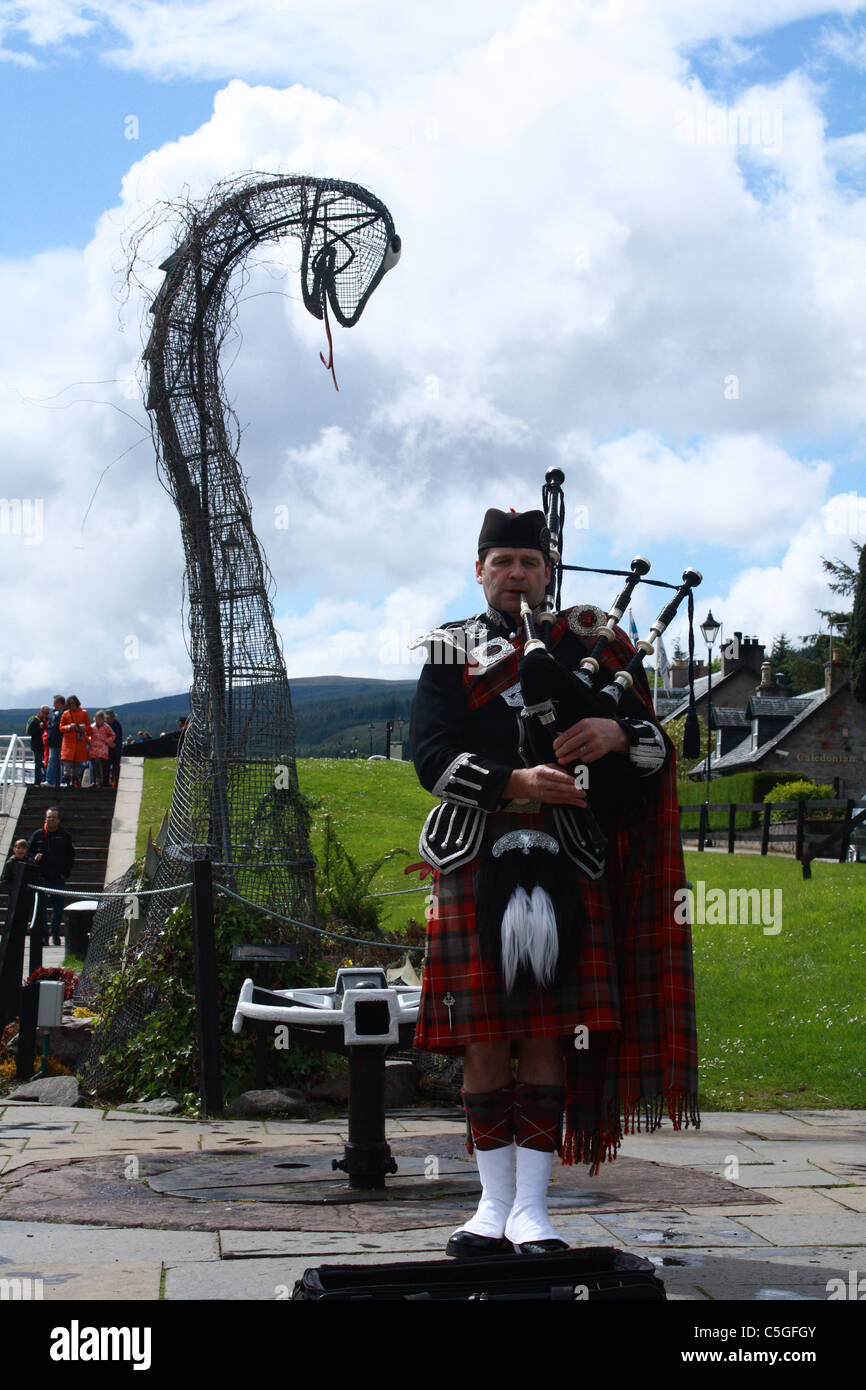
(236, 797)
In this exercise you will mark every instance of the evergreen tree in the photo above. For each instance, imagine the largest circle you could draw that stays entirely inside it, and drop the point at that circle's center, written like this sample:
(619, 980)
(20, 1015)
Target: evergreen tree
(857, 633)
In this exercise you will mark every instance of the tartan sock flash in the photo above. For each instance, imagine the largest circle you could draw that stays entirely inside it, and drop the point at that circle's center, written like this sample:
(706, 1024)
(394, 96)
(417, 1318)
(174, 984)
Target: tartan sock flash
(538, 1116)
(537, 1128)
(489, 1116)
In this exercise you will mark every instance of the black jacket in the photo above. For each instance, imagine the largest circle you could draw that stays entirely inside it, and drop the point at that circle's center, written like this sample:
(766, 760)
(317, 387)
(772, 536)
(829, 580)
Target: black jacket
(18, 878)
(443, 728)
(55, 737)
(57, 850)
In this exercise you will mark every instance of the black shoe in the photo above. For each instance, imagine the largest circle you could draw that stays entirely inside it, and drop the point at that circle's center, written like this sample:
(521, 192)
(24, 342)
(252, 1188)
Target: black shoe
(541, 1247)
(55, 941)
(466, 1245)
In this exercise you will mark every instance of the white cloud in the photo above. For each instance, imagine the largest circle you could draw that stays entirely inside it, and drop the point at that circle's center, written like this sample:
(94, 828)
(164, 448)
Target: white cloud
(577, 282)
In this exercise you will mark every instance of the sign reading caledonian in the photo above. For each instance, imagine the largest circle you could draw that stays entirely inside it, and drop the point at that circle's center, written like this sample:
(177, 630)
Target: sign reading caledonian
(829, 757)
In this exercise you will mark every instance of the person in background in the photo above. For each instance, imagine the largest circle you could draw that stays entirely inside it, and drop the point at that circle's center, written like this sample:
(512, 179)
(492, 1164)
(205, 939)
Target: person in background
(75, 727)
(115, 753)
(55, 739)
(36, 726)
(17, 879)
(101, 742)
(53, 851)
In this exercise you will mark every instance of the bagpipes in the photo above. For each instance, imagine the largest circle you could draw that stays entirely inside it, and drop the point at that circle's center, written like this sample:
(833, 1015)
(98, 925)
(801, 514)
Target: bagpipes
(555, 697)
(529, 913)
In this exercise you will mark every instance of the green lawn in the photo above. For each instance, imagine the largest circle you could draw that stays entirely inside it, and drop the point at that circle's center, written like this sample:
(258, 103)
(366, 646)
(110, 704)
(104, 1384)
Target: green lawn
(375, 807)
(781, 1014)
(159, 775)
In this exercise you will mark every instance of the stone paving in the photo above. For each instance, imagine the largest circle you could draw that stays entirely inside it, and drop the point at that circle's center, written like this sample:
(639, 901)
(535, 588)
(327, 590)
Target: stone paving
(801, 1222)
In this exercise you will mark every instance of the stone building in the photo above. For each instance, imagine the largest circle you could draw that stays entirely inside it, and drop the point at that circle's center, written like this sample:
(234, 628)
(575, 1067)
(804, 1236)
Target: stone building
(742, 658)
(820, 735)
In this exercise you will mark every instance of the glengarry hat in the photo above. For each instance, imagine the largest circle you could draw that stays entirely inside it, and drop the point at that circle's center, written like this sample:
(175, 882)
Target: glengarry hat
(514, 531)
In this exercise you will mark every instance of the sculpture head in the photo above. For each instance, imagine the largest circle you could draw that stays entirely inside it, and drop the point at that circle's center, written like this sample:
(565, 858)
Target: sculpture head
(349, 244)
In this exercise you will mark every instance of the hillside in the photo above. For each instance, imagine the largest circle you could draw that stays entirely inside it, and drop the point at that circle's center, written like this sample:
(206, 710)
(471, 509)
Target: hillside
(332, 713)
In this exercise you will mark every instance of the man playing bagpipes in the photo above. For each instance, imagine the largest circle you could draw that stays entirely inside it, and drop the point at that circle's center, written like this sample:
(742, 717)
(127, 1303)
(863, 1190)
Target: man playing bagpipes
(552, 934)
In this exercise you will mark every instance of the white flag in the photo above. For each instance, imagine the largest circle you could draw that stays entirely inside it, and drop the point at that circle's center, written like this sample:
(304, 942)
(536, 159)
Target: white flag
(664, 670)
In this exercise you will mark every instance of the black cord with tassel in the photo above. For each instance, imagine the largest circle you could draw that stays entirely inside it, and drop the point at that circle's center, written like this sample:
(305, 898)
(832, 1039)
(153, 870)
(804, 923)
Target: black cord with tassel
(692, 731)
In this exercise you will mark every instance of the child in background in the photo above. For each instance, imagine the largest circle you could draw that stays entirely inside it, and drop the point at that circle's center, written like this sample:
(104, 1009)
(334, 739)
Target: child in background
(101, 743)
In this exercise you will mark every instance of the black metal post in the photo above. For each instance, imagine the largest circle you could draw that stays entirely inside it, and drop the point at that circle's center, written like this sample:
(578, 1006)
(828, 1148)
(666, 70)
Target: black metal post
(30, 999)
(801, 828)
(765, 829)
(204, 947)
(709, 731)
(846, 833)
(732, 824)
(366, 1156)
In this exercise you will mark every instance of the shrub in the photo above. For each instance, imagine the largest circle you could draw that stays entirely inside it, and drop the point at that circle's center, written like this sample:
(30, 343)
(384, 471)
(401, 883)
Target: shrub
(802, 790)
(56, 972)
(343, 885)
(741, 787)
(162, 1056)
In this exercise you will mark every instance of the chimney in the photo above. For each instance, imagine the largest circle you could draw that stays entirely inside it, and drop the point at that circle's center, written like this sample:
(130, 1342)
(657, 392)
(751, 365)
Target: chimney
(768, 686)
(680, 673)
(836, 672)
(747, 653)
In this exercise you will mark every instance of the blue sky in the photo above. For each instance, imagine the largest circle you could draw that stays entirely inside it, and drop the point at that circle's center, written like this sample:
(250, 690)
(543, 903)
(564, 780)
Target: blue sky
(591, 277)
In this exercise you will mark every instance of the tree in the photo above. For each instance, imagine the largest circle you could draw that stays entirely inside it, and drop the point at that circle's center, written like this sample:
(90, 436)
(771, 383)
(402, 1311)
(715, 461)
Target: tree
(857, 633)
(843, 580)
(807, 665)
(675, 730)
(801, 668)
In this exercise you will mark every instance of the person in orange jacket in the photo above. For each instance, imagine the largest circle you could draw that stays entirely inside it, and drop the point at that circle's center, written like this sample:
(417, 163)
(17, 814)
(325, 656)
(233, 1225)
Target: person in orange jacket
(75, 728)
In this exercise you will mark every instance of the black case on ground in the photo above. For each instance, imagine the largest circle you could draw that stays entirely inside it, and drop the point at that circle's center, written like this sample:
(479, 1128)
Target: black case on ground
(598, 1272)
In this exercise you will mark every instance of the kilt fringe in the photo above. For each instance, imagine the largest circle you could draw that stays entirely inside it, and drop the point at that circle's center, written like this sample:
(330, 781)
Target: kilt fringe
(593, 1146)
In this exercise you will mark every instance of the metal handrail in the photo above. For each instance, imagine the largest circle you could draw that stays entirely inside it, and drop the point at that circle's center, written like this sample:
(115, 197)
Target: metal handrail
(16, 757)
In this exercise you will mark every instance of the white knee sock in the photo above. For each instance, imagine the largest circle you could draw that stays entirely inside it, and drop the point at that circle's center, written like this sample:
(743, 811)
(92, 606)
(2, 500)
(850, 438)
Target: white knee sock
(496, 1170)
(528, 1219)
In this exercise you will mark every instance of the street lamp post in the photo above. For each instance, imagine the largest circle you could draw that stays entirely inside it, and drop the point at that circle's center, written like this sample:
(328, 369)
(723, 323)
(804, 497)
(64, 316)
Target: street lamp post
(710, 629)
(372, 726)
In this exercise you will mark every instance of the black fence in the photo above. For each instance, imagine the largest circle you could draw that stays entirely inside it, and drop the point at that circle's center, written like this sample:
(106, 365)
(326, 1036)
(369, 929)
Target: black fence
(748, 825)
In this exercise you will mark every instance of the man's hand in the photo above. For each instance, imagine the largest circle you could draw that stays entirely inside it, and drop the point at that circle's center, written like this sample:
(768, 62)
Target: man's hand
(589, 740)
(547, 783)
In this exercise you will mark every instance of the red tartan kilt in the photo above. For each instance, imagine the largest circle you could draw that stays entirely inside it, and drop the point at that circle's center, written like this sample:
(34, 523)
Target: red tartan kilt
(482, 1010)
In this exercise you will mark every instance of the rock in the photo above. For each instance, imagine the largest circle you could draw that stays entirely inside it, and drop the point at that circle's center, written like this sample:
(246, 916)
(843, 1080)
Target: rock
(401, 1080)
(163, 1105)
(253, 1104)
(50, 1090)
(70, 1039)
(332, 1092)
